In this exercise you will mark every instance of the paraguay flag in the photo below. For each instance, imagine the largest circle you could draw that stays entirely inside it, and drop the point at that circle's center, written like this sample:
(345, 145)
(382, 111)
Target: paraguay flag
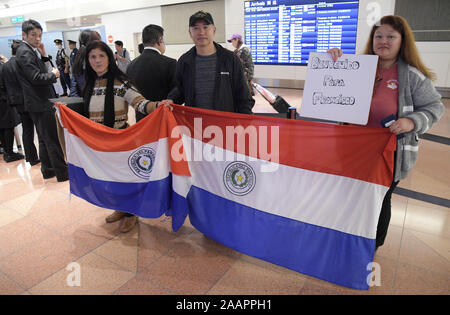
(302, 195)
(314, 208)
(128, 170)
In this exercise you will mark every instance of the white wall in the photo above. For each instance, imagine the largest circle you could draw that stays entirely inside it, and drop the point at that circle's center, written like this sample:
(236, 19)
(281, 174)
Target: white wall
(436, 56)
(123, 25)
(10, 31)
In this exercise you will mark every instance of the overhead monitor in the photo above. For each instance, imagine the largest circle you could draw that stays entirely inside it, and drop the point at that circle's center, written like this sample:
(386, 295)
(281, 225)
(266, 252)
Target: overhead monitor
(284, 32)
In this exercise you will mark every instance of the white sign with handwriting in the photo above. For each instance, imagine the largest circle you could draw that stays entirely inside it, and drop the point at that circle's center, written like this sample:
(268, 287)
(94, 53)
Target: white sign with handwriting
(339, 91)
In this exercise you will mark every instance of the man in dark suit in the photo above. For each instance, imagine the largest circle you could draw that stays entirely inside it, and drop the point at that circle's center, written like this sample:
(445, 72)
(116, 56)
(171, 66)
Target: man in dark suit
(152, 73)
(8, 120)
(14, 95)
(37, 85)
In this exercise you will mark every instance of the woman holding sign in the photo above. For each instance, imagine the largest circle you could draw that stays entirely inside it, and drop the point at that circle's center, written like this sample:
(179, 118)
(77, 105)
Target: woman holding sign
(404, 98)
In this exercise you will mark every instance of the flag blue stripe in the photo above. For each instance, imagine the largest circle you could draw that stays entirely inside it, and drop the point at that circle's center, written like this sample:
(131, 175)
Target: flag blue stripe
(147, 200)
(324, 253)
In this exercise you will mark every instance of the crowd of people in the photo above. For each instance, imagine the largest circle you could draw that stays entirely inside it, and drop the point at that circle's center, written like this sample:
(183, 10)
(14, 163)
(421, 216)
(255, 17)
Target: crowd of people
(207, 76)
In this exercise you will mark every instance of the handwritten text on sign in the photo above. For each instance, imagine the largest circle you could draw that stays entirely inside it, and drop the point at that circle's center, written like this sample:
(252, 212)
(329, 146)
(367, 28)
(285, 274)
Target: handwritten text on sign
(339, 91)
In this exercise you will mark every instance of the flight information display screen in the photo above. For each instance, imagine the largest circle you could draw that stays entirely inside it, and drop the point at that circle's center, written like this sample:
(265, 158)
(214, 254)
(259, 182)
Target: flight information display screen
(286, 31)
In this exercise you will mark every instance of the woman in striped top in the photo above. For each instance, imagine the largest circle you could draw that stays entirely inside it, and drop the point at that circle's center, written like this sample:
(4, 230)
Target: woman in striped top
(107, 95)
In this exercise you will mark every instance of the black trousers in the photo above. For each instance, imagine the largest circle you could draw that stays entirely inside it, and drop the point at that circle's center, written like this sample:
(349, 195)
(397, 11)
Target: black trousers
(50, 152)
(64, 78)
(28, 137)
(385, 214)
(7, 139)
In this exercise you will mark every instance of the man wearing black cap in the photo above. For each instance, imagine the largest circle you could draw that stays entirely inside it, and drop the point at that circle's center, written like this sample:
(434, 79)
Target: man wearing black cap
(62, 62)
(210, 76)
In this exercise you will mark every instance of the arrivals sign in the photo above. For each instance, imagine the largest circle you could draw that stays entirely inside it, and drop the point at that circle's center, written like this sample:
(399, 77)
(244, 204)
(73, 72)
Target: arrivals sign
(339, 91)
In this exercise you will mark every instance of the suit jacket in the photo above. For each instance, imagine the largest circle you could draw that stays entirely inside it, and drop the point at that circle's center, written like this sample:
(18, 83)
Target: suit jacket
(153, 74)
(14, 91)
(36, 81)
(8, 114)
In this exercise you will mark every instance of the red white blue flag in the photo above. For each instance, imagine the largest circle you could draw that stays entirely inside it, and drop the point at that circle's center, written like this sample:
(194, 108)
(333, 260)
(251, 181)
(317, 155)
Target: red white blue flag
(302, 195)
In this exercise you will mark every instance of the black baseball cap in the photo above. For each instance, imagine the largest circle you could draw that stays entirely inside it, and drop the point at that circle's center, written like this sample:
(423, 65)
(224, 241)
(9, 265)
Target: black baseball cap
(201, 15)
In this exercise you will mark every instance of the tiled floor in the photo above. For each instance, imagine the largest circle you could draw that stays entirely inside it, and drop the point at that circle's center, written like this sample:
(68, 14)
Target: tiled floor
(44, 230)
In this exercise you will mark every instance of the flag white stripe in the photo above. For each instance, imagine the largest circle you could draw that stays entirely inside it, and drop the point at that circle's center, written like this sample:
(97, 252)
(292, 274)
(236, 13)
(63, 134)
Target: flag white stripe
(114, 166)
(336, 202)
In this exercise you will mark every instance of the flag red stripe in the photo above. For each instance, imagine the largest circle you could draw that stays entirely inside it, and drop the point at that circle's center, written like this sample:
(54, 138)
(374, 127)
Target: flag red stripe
(352, 151)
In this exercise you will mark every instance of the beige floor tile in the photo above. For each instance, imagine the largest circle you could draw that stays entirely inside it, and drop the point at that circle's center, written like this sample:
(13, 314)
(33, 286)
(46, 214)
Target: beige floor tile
(40, 259)
(414, 280)
(188, 268)
(398, 210)
(414, 252)
(140, 286)
(430, 175)
(97, 276)
(8, 216)
(62, 213)
(13, 190)
(391, 247)
(92, 230)
(5, 181)
(314, 288)
(37, 199)
(25, 202)
(122, 249)
(155, 240)
(53, 184)
(244, 278)
(20, 234)
(202, 240)
(407, 182)
(9, 287)
(428, 218)
(442, 127)
(164, 223)
(439, 244)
